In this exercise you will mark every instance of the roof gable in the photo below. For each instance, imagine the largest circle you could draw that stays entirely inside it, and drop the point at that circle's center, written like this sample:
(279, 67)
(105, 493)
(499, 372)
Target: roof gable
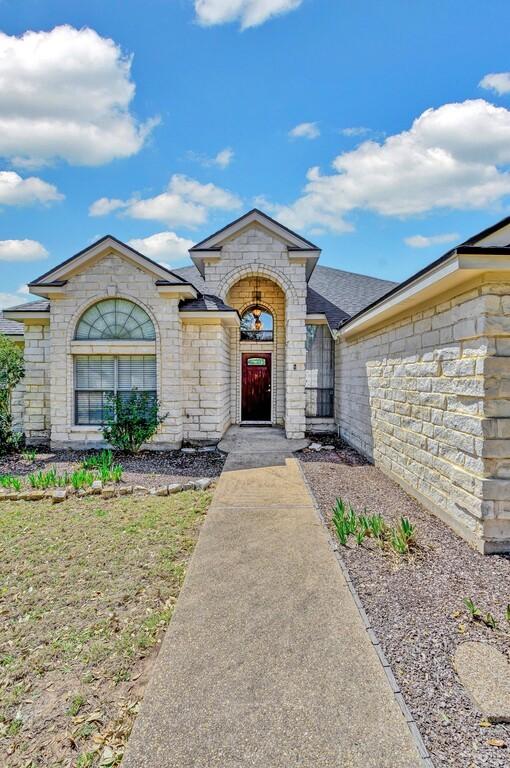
(58, 275)
(255, 216)
(496, 235)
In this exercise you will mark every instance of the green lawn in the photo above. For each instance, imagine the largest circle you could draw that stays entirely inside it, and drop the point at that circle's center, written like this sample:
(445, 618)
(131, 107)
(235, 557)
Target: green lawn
(86, 590)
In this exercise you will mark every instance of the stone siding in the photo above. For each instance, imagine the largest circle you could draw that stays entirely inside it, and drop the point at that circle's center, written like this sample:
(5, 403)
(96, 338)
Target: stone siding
(112, 276)
(37, 418)
(206, 382)
(427, 397)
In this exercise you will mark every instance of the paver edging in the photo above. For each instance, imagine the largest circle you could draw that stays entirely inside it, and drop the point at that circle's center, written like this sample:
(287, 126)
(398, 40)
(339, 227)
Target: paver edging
(397, 694)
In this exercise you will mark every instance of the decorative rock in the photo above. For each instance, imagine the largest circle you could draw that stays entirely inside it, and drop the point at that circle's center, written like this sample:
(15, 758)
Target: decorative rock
(315, 446)
(108, 493)
(81, 492)
(188, 450)
(188, 486)
(202, 484)
(207, 449)
(13, 496)
(174, 488)
(328, 447)
(48, 493)
(59, 495)
(97, 486)
(141, 488)
(32, 495)
(485, 674)
(162, 490)
(125, 490)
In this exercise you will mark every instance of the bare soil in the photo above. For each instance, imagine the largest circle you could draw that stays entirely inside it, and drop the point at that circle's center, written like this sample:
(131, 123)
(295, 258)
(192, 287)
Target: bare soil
(416, 606)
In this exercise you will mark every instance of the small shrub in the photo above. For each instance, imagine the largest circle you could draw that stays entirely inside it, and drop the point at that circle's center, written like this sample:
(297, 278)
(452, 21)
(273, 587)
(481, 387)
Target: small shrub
(133, 421)
(11, 373)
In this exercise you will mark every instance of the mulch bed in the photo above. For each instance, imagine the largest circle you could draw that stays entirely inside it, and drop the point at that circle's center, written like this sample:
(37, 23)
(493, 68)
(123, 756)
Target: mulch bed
(416, 607)
(148, 468)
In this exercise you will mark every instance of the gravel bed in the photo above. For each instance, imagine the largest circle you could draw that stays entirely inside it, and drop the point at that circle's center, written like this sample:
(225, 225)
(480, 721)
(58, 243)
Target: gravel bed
(147, 468)
(416, 608)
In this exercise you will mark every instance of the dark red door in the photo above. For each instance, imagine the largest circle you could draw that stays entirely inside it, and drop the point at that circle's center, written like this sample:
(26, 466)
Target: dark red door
(256, 386)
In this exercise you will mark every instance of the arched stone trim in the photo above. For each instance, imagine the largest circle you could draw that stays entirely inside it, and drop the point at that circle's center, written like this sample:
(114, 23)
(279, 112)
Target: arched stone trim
(256, 270)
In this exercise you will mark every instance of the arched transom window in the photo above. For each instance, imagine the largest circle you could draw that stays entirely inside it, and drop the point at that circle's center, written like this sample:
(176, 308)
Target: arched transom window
(107, 372)
(256, 324)
(115, 319)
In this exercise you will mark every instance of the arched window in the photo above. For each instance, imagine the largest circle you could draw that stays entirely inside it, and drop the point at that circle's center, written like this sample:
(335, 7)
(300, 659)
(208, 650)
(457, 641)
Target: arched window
(115, 319)
(109, 373)
(256, 324)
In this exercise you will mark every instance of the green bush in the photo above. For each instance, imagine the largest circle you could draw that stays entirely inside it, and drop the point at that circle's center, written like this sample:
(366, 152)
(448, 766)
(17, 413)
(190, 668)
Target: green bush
(11, 372)
(132, 421)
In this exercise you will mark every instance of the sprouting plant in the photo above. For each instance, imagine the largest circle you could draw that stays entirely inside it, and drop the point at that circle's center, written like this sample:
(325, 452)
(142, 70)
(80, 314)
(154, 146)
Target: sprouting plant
(99, 461)
(29, 454)
(473, 610)
(360, 536)
(351, 520)
(116, 473)
(398, 543)
(376, 524)
(339, 522)
(81, 478)
(364, 524)
(10, 482)
(507, 613)
(489, 621)
(406, 529)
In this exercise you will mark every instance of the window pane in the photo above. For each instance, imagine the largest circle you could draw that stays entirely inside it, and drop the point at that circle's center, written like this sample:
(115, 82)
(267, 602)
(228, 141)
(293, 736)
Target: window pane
(136, 372)
(95, 372)
(91, 407)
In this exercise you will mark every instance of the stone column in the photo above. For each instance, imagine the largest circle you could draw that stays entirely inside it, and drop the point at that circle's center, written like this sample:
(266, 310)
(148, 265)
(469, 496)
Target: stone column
(295, 362)
(37, 384)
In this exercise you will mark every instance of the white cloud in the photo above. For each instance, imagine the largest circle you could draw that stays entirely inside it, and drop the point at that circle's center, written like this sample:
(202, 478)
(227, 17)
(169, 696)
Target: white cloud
(220, 160)
(305, 131)
(186, 202)
(106, 205)
(497, 81)
(425, 241)
(66, 94)
(452, 157)
(250, 13)
(22, 250)
(357, 130)
(17, 191)
(12, 299)
(165, 247)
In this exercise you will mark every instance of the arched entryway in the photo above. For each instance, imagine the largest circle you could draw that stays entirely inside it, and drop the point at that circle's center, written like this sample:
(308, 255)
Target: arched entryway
(258, 351)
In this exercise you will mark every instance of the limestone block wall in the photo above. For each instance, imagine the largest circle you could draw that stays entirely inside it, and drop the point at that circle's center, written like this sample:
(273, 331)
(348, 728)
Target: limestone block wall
(240, 297)
(255, 251)
(205, 381)
(427, 397)
(18, 406)
(37, 419)
(109, 277)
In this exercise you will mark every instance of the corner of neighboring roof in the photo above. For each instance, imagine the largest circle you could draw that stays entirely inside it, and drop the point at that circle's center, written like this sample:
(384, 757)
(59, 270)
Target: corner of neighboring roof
(474, 239)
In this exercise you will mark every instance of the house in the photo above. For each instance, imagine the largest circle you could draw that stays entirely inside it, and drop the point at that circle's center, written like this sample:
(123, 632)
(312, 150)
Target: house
(416, 375)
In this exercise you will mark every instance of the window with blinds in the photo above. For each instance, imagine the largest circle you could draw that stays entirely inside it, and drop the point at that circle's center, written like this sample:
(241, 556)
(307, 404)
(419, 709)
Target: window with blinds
(98, 377)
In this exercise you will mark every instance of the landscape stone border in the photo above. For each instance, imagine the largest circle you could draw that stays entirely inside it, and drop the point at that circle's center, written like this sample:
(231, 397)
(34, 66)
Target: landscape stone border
(105, 491)
(397, 693)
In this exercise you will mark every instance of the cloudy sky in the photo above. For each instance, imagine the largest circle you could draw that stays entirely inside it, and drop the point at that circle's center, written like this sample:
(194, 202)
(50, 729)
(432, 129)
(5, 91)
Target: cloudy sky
(379, 130)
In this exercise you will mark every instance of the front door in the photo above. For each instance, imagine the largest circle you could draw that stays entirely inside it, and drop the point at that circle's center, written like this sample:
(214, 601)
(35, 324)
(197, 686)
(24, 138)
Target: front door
(256, 386)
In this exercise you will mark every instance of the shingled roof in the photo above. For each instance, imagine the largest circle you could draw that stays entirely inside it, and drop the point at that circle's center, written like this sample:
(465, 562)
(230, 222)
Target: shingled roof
(331, 292)
(9, 327)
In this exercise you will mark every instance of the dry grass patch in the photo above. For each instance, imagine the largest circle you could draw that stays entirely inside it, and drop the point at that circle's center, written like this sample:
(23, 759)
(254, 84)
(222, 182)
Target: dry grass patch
(86, 591)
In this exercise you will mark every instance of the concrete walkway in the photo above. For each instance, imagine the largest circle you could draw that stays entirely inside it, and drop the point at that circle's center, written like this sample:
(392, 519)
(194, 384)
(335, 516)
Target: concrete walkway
(266, 662)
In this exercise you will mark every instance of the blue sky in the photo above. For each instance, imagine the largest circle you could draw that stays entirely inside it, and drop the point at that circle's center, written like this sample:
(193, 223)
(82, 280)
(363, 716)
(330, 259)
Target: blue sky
(160, 121)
